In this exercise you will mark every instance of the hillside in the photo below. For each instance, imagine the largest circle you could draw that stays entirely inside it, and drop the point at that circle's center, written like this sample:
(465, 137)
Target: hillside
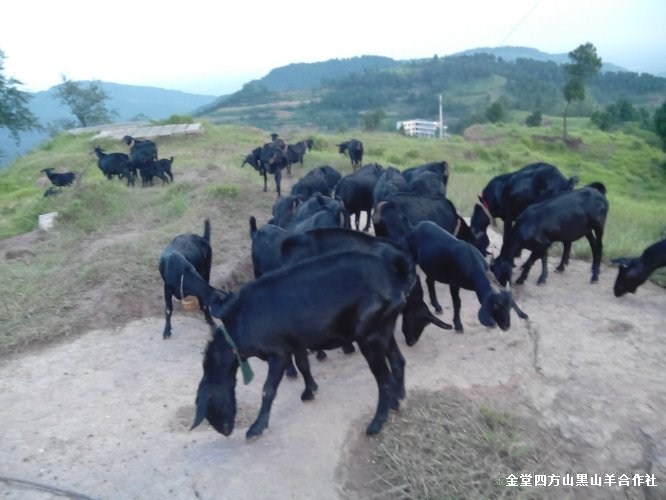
(520, 79)
(98, 405)
(127, 101)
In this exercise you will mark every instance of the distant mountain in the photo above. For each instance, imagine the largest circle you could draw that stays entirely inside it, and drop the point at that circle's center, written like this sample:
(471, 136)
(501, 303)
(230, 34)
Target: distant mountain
(509, 53)
(299, 76)
(520, 78)
(128, 101)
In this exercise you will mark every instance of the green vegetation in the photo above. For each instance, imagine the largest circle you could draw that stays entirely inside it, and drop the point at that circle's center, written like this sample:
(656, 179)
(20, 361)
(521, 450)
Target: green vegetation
(469, 84)
(108, 237)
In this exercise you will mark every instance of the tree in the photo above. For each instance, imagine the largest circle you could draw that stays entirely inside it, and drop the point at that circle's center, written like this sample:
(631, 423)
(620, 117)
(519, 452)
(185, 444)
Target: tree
(660, 124)
(373, 120)
(495, 112)
(534, 120)
(584, 64)
(87, 104)
(15, 115)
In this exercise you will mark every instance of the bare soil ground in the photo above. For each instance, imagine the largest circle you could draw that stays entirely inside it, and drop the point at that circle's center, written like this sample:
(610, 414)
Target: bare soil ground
(107, 414)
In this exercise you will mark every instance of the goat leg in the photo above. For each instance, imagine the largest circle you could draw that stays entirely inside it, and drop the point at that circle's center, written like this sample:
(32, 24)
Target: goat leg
(276, 368)
(290, 370)
(566, 252)
(455, 299)
(430, 282)
(397, 364)
(168, 311)
(376, 358)
(301, 358)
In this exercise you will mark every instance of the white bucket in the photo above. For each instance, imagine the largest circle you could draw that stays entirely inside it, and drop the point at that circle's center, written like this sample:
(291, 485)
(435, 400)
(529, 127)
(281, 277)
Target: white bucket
(46, 220)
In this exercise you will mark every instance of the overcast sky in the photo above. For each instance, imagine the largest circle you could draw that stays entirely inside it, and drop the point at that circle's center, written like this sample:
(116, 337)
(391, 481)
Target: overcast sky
(214, 47)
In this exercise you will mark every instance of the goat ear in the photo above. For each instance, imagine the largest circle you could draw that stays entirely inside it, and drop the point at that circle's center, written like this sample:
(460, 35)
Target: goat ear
(203, 397)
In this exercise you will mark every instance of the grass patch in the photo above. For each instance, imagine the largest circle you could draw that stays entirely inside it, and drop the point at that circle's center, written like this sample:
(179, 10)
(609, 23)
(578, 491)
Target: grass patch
(446, 445)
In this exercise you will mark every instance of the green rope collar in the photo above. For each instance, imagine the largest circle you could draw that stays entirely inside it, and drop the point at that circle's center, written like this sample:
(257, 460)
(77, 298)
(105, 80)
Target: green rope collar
(246, 369)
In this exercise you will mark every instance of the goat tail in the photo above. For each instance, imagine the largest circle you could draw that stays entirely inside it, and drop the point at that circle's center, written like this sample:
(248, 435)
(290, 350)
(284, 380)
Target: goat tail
(573, 180)
(598, 186)
(206, 235)
(253, 226)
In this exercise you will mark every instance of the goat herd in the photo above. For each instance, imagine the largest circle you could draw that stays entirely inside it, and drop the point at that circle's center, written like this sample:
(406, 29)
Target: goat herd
(142, 160)
(342, 285)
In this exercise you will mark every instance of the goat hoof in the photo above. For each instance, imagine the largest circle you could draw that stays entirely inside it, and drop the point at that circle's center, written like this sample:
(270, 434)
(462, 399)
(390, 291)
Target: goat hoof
(321, 355)
(559, 269)
(254, 431)
(348, 349)
(460, 330)
(307, 395)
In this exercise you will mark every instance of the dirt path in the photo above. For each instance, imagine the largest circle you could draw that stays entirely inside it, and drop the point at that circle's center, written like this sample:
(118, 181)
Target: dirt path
(107, 415)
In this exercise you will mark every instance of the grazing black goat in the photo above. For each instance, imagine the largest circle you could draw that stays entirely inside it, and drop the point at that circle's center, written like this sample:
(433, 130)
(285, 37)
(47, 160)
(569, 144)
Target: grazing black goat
(446, 259)
(254, 160)
(353, 148)
(114, 164)
(565, 218)
(634, 271)
(59, 180)
(356, 192)
(363, 295)
(507, 195)
(185, 269)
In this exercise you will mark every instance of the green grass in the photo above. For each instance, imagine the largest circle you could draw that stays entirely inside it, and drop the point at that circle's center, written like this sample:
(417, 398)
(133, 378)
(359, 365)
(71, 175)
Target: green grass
(209, 182)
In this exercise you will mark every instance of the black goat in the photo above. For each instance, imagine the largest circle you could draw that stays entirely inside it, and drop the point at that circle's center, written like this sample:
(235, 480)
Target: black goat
(185, 269)
(507, 195)
(429, 178)
(396, 216)
(266, 247)
(114, 164)
(165, 165)
(141, 150)
(363, 295)
(273, 159)
(318, 180)
(160, 168)
(353, 148)
(446, 259)
(565, 218)
(633, 272)
(267, 255)
(356, 192)
(321, 241)
(296, 153)
(254, 160)
(59, 180)
(390, 182)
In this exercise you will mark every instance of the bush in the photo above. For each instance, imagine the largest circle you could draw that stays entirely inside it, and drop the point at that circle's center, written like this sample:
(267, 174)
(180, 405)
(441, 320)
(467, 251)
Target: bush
(534, 120)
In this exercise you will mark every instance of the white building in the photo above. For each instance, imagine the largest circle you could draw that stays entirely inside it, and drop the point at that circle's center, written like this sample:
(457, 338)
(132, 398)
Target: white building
(419, 128)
